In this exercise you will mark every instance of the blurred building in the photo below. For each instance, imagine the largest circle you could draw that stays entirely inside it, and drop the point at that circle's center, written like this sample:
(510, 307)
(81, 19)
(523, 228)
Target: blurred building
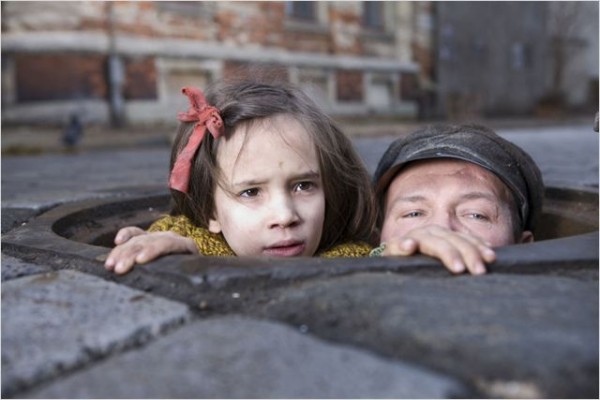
(126, 61)
(511, 58)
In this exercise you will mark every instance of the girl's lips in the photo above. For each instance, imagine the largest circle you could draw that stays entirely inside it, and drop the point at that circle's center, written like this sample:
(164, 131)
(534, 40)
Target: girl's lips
(285, 249)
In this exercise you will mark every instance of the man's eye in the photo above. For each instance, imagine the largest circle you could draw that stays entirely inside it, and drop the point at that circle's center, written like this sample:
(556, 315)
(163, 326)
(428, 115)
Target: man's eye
(477, 216)
(303, 186)
(249, 193)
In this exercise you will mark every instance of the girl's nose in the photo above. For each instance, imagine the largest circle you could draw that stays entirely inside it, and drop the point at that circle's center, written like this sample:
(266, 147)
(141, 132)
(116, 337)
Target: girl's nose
(283, 212)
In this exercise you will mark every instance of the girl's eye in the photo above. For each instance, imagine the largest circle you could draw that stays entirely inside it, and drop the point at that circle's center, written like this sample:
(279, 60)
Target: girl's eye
(249, 193)
(303, 186)
(413, 214)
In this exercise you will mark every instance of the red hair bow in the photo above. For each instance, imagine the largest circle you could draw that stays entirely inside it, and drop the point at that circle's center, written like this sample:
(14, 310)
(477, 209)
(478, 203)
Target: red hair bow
(206, 117)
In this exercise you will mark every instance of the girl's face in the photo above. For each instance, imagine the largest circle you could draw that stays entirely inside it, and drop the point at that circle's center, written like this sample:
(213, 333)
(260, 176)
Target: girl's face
(271, 200)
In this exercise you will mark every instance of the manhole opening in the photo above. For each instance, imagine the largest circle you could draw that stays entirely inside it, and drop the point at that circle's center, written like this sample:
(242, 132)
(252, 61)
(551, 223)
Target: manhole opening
(567, 212)
(98, 225)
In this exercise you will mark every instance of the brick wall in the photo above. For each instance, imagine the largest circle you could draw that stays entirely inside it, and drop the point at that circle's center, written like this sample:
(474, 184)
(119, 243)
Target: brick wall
(45, 77)
(256, 23)
(174, 19)
(42, 77)
(349, 85)
(164, 45)
(239, 70)
(409, 87)
(140, 79)
(345, 28)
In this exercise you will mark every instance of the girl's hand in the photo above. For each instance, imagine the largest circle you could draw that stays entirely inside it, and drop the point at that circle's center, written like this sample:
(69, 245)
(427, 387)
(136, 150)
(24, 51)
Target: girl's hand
(136, 246)
(458, 252)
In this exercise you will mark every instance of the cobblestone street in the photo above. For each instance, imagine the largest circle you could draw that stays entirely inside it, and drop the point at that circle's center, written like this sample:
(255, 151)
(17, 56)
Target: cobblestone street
(186, 326)
(93, 95)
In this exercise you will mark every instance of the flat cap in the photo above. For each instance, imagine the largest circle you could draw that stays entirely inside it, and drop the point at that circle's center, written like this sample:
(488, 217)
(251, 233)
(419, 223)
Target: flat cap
(473, 143)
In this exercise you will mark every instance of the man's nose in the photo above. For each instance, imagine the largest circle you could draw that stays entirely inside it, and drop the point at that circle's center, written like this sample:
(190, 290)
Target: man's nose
(283, 212)
(446, 220)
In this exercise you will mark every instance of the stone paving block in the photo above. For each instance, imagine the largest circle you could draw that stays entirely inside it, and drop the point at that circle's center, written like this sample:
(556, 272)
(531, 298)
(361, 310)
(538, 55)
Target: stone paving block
(236, 357)
(498, 332)
(13, 217)
(58, 321)
(14, 268)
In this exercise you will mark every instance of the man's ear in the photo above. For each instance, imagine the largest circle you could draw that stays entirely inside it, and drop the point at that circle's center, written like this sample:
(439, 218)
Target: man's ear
(214, 226)
(526, 237)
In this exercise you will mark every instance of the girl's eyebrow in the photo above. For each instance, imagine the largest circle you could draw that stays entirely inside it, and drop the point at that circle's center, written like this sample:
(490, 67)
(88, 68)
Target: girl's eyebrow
(258, 182)
(250, 182)
(307, 175)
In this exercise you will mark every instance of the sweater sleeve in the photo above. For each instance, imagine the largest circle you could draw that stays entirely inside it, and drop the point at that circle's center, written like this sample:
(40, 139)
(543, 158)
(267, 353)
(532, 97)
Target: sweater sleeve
(350, 249)
(208, 243)
(178, 224)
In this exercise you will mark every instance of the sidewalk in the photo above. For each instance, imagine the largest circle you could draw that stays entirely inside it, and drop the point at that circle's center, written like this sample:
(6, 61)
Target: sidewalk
(30, 140)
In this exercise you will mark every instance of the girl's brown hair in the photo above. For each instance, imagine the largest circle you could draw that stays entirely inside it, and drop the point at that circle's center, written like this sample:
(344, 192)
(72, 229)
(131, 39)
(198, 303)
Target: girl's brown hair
(349, 206)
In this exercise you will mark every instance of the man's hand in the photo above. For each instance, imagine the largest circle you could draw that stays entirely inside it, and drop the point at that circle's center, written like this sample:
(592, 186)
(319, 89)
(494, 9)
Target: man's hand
(136, 246)
(458, 252)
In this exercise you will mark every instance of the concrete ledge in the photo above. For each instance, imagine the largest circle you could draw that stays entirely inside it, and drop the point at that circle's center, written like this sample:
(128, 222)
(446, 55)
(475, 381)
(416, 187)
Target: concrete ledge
(208, 284)
(48, 234)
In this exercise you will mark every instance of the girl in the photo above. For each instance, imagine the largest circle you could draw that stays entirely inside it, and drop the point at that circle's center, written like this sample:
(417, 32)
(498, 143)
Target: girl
(257, 170)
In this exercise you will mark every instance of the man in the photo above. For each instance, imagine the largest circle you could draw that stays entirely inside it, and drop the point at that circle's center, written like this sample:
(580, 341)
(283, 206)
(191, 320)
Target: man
(455, 193)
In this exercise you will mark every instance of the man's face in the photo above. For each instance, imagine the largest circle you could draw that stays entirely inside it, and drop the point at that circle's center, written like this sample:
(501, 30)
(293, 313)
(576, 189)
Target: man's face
(454, 194)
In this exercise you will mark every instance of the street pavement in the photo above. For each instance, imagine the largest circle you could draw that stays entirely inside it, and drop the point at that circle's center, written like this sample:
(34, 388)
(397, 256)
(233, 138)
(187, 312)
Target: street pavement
(191, 327)
(567, 156)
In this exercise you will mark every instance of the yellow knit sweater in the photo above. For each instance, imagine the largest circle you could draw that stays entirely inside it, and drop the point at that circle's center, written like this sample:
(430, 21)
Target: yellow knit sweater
(211, 244)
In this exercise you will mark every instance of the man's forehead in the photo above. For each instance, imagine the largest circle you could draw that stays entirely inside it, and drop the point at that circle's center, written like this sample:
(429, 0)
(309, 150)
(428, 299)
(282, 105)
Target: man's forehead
(444, 166)
(434, 174)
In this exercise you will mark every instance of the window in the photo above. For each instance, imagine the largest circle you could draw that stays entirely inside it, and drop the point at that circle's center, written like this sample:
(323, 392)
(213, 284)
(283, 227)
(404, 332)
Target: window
(349, 85)
(303, 10)
(187, 8)
(520, 56)
(373, 15)
(47, 77)
(479, 50)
